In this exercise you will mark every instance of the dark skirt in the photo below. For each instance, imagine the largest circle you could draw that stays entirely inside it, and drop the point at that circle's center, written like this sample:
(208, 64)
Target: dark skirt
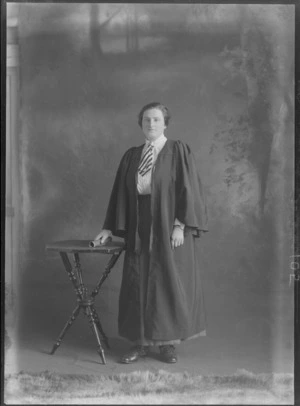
(144, 229)
(145, 220)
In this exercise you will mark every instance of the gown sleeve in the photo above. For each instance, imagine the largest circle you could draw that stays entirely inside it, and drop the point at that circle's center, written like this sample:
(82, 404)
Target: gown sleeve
(116, 213)
(191, 207)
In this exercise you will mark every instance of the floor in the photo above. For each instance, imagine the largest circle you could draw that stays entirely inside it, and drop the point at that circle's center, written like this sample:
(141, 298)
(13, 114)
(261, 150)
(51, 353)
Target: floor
(78, 355)
(246, 330)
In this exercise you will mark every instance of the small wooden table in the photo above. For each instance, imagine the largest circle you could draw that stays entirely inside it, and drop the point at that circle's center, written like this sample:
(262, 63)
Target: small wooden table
(85, 301)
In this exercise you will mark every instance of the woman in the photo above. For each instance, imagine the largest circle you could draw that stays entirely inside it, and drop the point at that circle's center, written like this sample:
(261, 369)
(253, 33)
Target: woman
(157, 205)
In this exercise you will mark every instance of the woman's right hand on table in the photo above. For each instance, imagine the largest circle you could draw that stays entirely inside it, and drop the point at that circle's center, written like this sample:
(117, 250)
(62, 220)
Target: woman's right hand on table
(103, 236)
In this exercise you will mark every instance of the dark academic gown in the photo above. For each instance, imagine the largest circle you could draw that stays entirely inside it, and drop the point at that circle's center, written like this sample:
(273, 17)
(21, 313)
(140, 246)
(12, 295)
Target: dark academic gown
(174, 307)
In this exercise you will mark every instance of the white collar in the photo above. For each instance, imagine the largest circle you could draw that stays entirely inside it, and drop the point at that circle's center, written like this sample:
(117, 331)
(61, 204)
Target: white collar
(159, 141)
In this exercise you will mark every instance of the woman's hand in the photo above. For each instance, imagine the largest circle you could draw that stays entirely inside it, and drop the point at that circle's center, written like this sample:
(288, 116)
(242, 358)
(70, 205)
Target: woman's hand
(177, 237)
(103, 236)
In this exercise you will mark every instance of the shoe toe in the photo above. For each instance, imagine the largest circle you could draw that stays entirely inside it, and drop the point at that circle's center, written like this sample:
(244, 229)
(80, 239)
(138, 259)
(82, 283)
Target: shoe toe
(128, 360)
(133, 355)
(168, 354)
(170, 359)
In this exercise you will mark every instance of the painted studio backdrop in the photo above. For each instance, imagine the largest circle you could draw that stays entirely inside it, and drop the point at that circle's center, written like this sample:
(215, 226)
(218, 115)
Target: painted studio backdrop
(226, 73)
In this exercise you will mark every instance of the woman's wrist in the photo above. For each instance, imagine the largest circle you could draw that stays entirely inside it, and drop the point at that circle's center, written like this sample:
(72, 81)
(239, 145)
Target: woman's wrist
(179, 223)
(180, 226)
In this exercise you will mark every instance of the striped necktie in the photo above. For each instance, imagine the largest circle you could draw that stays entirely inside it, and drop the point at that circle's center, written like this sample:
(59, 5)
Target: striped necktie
(146, 161)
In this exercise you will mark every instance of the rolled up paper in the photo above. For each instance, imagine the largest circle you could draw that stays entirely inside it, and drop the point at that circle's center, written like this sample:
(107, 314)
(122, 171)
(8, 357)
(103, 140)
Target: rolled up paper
(98, 243)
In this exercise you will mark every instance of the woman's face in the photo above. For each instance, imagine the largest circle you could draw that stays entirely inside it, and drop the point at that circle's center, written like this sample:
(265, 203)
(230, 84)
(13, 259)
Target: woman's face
(153, 124)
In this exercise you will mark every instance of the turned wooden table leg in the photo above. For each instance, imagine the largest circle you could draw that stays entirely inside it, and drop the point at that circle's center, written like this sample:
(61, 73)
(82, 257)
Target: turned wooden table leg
(89, 307)
(71, 274)
(73, 279)
(98, 324)
(81, 287)
(92, 321)
(106, 272)
(65, 329)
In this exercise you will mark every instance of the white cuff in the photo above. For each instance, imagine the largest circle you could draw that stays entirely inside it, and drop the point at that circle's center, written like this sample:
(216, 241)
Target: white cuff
(179, 223)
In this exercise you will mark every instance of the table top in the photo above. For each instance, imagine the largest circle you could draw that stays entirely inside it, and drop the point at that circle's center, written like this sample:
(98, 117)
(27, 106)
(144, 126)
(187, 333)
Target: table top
(110, 247)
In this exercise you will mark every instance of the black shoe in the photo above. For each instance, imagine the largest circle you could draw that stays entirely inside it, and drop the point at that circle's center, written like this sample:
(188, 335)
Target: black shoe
(134, 354)
(168, 353)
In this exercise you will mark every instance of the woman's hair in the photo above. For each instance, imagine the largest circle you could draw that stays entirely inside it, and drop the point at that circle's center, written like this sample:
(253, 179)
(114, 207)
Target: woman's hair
(155, 105)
